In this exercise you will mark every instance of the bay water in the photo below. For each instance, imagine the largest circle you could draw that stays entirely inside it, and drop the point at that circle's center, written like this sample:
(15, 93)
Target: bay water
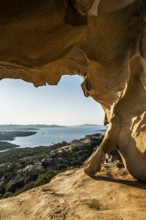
(49, 135)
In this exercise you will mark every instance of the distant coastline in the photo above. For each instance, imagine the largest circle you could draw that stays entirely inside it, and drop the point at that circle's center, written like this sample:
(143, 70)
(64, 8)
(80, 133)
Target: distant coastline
(34, 126)
(29, 126)
(6, 136)
(34, 135)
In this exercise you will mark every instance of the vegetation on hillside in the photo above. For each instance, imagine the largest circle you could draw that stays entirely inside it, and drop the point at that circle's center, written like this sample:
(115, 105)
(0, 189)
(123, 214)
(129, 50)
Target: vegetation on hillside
(25, 168)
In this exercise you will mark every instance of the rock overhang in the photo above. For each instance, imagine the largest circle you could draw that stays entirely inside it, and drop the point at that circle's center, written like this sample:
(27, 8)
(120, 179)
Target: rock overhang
(41, 41)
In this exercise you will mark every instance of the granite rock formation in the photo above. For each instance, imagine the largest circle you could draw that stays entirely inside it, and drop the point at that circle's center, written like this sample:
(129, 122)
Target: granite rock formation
(104, 41)
(72, 195)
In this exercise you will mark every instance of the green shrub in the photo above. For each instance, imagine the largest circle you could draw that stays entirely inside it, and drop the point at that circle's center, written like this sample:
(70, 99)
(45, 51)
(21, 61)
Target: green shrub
(14, 186)
(76, 163)
(45, 178)
(28, 186)
(62, 166)
(7, 194)
(2, 190)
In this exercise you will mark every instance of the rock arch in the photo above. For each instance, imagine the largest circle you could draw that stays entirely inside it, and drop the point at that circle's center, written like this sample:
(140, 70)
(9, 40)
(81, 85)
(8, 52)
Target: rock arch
(102, 41)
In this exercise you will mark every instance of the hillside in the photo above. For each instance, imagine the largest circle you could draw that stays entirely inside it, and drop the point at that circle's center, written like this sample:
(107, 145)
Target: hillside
(25, 168)
(112, 195)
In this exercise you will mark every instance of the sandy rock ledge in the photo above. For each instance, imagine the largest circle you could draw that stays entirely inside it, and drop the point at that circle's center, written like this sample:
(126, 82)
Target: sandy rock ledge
(112, 194)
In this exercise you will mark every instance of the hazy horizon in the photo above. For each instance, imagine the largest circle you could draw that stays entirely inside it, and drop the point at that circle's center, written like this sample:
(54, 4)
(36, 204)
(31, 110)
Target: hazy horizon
(49, 124)
(64, 104)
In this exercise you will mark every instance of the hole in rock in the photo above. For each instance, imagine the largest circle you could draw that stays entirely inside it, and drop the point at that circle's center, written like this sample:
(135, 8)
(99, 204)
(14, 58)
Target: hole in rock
(64, 104)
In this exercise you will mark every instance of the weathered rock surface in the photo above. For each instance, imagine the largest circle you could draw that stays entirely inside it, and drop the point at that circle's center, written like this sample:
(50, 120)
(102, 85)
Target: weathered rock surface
(104, 41)
(111, 195)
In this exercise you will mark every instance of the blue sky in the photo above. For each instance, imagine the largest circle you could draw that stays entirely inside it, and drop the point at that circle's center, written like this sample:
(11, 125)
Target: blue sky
(64, 104)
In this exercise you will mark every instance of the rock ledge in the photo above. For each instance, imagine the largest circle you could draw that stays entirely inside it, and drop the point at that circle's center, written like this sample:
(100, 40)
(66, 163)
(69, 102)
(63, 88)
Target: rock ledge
(112, 194)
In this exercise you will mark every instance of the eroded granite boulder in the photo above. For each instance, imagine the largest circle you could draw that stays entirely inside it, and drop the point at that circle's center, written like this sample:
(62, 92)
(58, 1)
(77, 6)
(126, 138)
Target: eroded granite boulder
(104, 41)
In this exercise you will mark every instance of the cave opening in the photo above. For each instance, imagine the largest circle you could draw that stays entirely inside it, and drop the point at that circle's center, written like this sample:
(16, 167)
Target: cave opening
(25, 107)
(64, 104)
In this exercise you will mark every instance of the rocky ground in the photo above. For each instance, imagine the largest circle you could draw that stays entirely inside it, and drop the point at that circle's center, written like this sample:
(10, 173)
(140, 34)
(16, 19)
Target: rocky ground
(111, 195)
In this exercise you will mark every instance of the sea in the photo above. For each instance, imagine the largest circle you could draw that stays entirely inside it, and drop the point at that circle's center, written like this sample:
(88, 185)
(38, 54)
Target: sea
(49, 135)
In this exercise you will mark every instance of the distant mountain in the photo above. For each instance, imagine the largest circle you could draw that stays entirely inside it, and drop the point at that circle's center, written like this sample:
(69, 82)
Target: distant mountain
(46, 126)
(89, 125)
(12, 127)
(28, 127)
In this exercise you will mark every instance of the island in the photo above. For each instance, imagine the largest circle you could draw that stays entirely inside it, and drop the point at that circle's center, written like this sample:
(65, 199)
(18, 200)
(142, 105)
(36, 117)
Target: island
(6, 136)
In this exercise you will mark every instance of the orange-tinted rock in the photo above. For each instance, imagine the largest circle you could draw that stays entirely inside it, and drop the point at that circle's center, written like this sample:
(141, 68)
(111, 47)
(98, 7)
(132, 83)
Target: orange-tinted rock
(104, 42)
